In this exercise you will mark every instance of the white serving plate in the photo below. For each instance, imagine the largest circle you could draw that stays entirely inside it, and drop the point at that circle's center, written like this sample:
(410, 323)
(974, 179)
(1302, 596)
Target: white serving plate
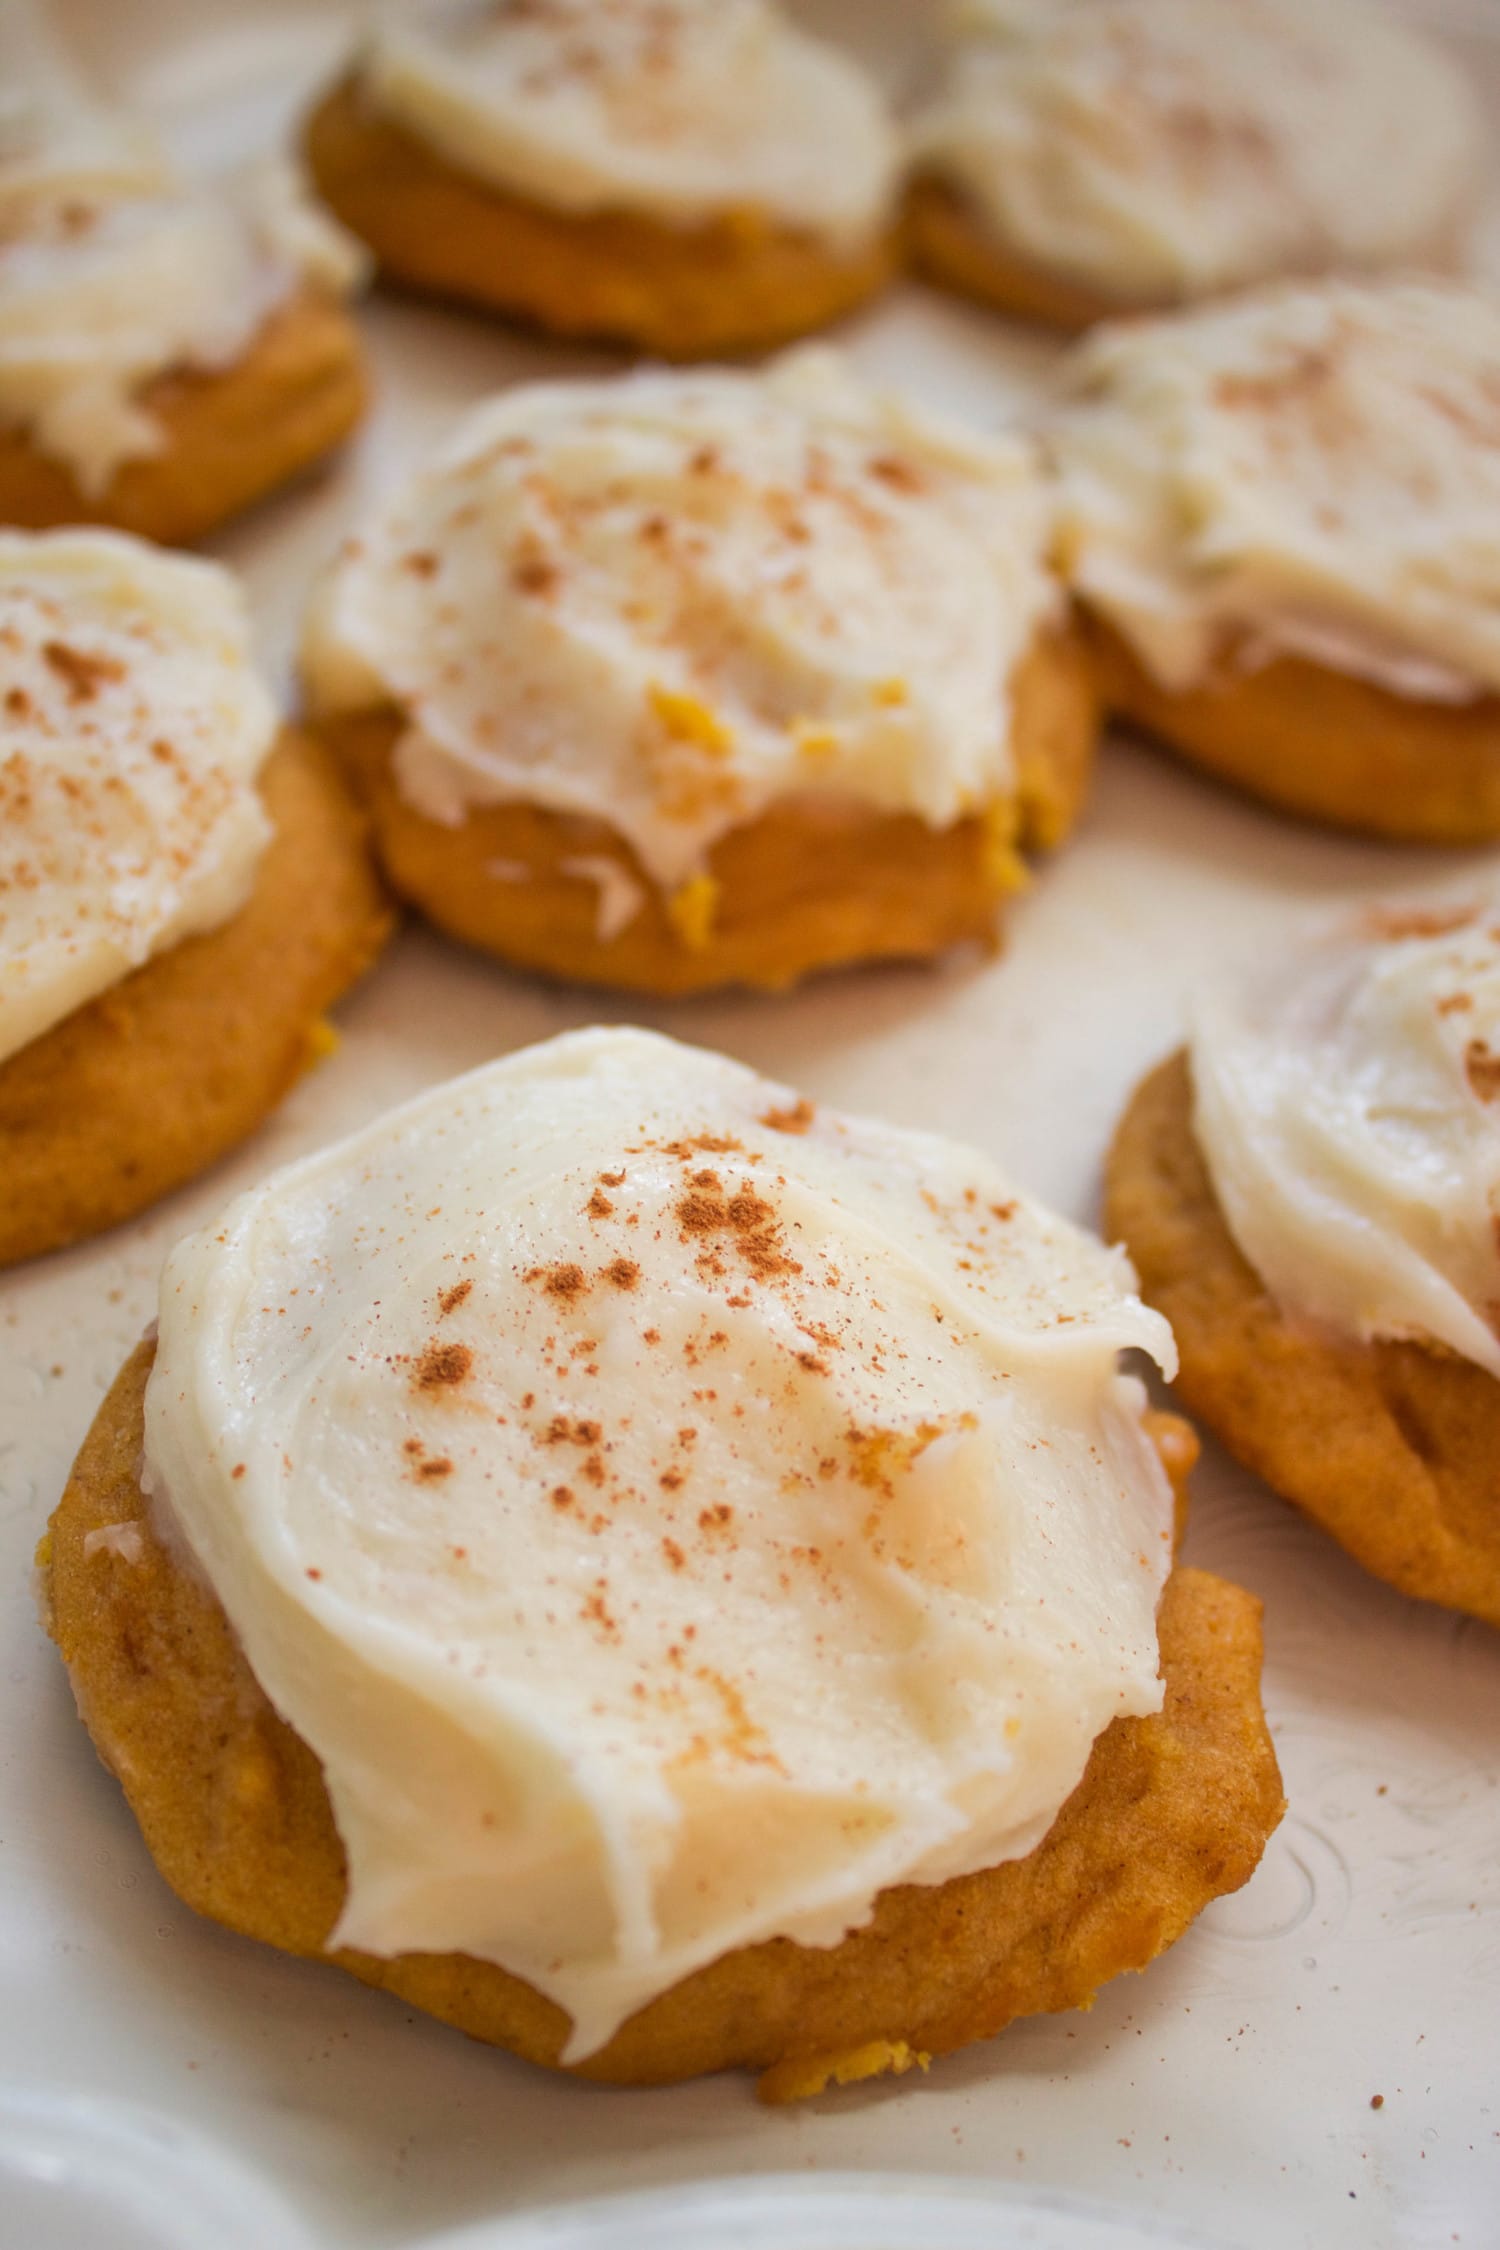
(164, 2086)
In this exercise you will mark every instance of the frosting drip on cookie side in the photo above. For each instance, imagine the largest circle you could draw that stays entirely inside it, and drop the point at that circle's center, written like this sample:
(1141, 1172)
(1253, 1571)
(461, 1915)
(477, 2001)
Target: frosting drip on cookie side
(682, 110)
(672, 1514)
(1156, 149)
(1311, 471)
(115, 268)
(1348, 1108)
(132, 727)
(671, 600)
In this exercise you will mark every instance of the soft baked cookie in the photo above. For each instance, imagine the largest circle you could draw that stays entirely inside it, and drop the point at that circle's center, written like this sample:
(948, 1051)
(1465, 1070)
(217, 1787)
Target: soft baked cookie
(480, 1544)
(1311, 1194)
(170, 349)
(1276, 515)
(1086, 158)
(678, 681)
(184, 887)
(691, 181)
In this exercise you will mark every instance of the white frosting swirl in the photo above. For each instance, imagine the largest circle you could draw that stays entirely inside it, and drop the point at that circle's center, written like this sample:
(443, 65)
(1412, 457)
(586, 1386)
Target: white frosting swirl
(1156, 149)
(671, 599)
(1347, 1103)
(132, 727)
(680, 109)
(1312, 469)
(115, 268)
(671, 1515)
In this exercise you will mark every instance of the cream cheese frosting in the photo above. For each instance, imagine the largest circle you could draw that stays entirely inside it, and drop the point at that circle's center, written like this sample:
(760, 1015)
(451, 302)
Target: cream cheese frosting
(671, 599)
(681, 110)
(1313, 469)
(115, 267)
(132, 727)
(1157, 149)
(672, 1514)
(1347, 1102)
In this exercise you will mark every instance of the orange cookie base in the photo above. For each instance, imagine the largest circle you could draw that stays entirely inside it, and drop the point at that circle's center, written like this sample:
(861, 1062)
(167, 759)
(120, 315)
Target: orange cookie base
(800, 889)
(150, 1083)
(1324, 745)
(738, 283)
(229, 437)
(1172, 1811)
(1391, 1447)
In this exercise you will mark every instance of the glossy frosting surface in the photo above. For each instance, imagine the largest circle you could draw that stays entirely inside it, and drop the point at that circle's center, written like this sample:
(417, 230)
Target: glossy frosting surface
(671, 1513)
(1151, 150)
(133, 724)
(672, 599)
(680, 109)
(1313, 469)
(1348, 1105)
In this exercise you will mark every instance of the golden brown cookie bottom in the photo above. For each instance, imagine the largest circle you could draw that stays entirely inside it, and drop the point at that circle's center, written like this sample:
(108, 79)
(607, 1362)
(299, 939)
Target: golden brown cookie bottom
(151, 1082)
(800, 889)
(738, 283)
(1172, 1811)
(229, 437)
(1324, 745)
(1391, 1447)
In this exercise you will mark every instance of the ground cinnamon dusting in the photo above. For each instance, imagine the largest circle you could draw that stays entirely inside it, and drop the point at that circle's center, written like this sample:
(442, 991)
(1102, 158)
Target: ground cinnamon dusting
(1417, 922)
(797, 1119)
(565, 1281)
(82, 675)
(1482, 1069)
(449, 1300)
(744, 1219)
(441, 1366)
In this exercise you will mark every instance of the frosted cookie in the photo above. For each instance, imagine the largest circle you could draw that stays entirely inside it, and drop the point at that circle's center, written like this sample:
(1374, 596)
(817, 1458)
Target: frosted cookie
(683, 680)
(170, 349)
(183, 883)
(1092, 157)
(676, 1575)
(1311, 1193)
(685, 179)
(1280, 516)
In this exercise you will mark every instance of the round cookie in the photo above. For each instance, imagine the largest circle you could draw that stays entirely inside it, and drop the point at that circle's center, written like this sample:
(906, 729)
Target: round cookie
(1099, 158)
(172, 345)
(147, 1085)
(1389, 1445)
(1267, 515)
(229, 436)
(786, 895)
(736, 283)
(680, 681)
(1173, 1810)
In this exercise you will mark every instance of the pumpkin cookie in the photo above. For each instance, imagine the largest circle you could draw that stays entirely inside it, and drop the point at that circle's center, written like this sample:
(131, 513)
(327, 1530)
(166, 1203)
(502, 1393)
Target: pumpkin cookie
(1272, 516)
(678, 681)
(1311, 1194)
(865, 1805)
(690, 181)
(1087, 158)
(170, 349)
(183, 889)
